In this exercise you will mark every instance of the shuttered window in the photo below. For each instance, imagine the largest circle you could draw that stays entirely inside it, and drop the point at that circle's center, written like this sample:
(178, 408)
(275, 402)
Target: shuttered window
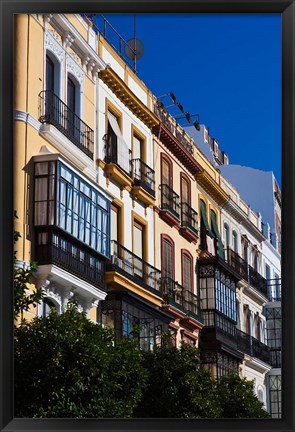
(187, 269)
(167, 261)
(185, 191)
(166, 176)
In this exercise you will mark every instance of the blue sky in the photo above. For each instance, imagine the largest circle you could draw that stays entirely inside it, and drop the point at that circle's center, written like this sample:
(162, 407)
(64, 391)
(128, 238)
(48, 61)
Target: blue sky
(226, 68)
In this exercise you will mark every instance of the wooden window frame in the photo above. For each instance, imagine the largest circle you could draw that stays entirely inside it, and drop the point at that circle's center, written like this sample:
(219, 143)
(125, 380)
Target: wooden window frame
(184, 177)
(169, 161)
(165, 237)
(186, 253)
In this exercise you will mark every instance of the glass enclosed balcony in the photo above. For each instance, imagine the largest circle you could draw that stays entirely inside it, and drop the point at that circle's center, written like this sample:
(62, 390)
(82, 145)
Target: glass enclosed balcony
(55, 112)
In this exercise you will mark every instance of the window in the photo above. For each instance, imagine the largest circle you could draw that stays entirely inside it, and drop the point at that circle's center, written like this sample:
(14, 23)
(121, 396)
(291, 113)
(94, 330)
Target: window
(75, 206)
(235, 241)
(207, 236)
(47, 305)
(166, 171)
(275, 396)
(138, 248)
(49, 74)
(167, 257)
(245, 249)
(187, 271)
(215, 230)
(117, 150)
(226, 235)
(114, 223)
(185, 190)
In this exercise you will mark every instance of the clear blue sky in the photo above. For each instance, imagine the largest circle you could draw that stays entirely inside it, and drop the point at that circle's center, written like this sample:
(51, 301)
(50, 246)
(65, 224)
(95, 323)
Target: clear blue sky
(226, 68)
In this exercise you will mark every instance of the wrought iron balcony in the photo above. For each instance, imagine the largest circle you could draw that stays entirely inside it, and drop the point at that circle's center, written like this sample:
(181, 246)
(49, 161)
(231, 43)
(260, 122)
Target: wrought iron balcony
(257, 281)
(143, 176)
(53, 246)
(238, 264)
(176, 130)
(55, 112)
(274, 289)
(176, 295)
(253, 347)
(170, 204)
(189, 218)
(112, 155)
(134, 268)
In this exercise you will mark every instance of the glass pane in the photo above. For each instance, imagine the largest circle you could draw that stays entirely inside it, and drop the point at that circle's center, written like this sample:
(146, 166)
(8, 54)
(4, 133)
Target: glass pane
(41, 168)
(41, 189)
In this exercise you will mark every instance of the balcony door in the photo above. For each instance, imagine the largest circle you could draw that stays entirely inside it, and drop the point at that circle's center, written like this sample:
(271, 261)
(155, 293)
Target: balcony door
(71, 104)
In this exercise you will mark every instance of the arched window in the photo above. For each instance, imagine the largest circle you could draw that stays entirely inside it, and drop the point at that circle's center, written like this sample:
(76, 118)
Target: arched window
(167, 249)
(187, 271)
(244, 244)
(166, 171)
(235, 241)
(47, 305)
(226, 236)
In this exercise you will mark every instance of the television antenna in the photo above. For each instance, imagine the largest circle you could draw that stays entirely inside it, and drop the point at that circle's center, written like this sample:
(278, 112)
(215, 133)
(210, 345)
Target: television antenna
(134, 48)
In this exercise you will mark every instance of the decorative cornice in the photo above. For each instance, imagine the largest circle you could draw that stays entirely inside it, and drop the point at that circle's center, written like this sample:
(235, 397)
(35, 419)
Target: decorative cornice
(212, 187)
(79, 43)
(51, 43)
(242, 218)
(122, 91)
(177, 148)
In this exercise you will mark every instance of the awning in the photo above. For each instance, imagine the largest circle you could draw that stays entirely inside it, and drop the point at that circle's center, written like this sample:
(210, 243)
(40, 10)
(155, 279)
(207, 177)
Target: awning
(123, 151)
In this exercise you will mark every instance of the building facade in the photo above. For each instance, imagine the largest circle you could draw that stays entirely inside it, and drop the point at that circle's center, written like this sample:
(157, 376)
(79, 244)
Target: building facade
(128, 213)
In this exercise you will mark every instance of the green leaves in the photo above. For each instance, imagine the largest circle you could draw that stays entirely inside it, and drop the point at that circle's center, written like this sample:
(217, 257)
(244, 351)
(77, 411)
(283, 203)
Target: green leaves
(67, 366)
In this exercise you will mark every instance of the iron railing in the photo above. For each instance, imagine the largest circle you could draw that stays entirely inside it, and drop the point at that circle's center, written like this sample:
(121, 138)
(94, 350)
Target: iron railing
(54, 111)
(237, 263)
(143, 175)
(274, 289)
(134, 267)
(55, 247)
(257, 281)
(170, 200)
(175, 129)
(253, 347)
(113, 156)
(176, 295)
(189, 217)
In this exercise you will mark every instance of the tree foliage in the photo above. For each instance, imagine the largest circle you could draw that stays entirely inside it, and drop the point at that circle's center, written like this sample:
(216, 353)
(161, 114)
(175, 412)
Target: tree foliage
(237, 399)
(23, 276)
(67, 366)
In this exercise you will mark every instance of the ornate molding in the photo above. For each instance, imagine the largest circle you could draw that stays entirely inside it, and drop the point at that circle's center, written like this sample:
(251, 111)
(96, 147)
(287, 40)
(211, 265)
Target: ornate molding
(75, 69)
(51, 43)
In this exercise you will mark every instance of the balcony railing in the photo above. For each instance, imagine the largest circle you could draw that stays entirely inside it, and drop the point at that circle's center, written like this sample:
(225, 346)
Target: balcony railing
(143, 175)
(170, 200)
(237, 263)
(189, 217)
(134, 267)
(175, 129)
(176, 295)
(253, 347)
(55, 247)
(273, 289)
(55, 112)
(257, 281)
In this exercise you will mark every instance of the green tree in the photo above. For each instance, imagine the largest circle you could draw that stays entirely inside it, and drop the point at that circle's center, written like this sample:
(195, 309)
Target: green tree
(178, 386)
(68, 366)
(22, 278)
(237, 398)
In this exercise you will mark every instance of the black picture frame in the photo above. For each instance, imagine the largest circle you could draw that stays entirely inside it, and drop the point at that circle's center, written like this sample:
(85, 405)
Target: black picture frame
(8, 9)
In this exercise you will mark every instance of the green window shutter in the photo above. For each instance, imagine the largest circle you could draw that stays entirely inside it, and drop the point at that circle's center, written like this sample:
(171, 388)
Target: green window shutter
(217, 235)
(204, 217)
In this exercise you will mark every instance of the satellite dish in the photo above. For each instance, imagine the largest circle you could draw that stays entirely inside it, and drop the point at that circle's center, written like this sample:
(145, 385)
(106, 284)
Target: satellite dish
(134, 49)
